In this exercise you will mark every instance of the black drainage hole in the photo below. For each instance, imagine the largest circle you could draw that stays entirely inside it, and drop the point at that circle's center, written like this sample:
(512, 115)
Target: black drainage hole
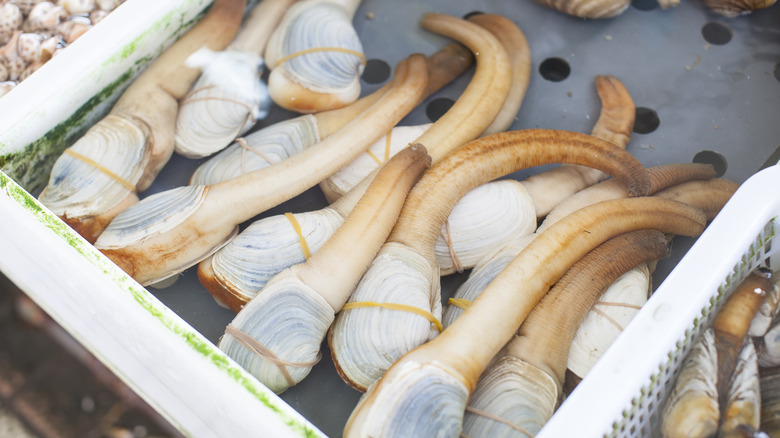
(471, 14)
(437, 107)
(646, 120)
(777, 71)
(376, 71)
(554, 69)
(645, 5)
(717, 160)
(716, 33)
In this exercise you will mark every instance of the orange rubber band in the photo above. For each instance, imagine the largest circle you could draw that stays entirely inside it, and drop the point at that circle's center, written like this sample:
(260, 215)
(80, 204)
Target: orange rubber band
(396, 306)
(322, 49)
(297, 228)
(99, 167)
(459, 302)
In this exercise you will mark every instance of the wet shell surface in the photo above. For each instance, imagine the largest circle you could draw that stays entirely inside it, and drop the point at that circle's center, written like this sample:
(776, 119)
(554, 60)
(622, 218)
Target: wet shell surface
(377, 154)
(274, 319)
(77, 188)
(316, 24)
(517, 397)
(769, 346)
(268, 246)
(692, 407)
(484, 219)
(259, 149)
(365, 342)
(226, 100)
(155, 214)
(424, 400)
(743, 409)
(607, 319)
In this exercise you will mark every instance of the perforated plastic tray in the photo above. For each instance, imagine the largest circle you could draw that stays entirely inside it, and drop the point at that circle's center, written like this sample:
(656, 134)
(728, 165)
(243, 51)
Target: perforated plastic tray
(707, 88)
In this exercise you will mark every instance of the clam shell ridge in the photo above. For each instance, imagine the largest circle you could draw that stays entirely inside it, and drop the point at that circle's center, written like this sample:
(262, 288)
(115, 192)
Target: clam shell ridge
(484, 219)
(269, 145)
(226, 100)
(516, 392)
(288, 318)
(268, 246)
(155, 214)
(322, 24)
(79, 189)
(365, 342)
(354, 172)
(598, 330)
(424, 400)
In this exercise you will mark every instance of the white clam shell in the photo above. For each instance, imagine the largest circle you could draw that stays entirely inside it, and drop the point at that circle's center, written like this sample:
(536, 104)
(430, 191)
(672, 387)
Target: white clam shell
(483, 220)
(312, 24)
(482, 274)
(269, 145)
(288, 318)
(268, 246)
(424, 400)
(599, 330)
(78, 189)
(367, 341)
(226, 100)
(516, 392)
(693, 402)
(354, 172)
(155, 214)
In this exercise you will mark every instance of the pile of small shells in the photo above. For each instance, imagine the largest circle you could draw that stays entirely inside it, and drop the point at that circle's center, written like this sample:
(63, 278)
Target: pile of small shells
(32, 31)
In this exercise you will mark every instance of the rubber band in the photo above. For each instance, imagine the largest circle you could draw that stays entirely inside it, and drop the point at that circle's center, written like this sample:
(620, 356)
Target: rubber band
(459, 302)
(188, 99)
(297, 228)
(445, 235)
(245, 147)
(396, 306)
(259, 349)
(608, 318)
(322, 49)
(490, 416)
(123, 182)
(617, 304)
(387, 149)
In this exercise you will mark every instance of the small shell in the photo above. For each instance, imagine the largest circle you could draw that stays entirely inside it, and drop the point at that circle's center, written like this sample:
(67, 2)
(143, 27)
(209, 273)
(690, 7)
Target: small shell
(108, 5)
(3, 74)
(423, 400)
(313, 24)
(692, 406)
(365, 342)
(734, 8)
(482, 274)
(484, 219)
(743, 408)
(76, 7)
(25, 6)
(589, 8)
(9, 55)
(267, 247)
(605, 321)
(30, 46)
(78, 189)
(768, 311)
(269, 145)
(226, 100)
(155, 214)
(98, 15)
(44, 16)
(382, 150)
(769, 346)
(516, 392)
(74, 27)
(6, 87)
(10, 20)
(289, 319)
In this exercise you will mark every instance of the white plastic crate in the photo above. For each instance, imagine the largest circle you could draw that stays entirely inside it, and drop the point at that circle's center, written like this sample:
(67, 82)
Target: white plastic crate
(709, 97)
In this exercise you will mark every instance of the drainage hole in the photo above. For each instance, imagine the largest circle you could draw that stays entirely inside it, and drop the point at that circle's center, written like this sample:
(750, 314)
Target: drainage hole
(437, 107)
(645, 5)
(716, 33)
(717, 160)
(376, 71)
(554, 69)
(646, 120)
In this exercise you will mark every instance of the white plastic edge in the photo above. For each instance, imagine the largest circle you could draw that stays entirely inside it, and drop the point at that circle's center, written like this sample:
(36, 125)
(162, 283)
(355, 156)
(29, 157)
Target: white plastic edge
(187, 379)
(607, 391)
(138, 29)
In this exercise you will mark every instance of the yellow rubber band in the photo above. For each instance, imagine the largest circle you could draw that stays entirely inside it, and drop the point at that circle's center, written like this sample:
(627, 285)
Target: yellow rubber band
(297, 228)
(322, 49)
(460, 302)
(387, 144)
(616, 304)
(395, 306)
(378, 161)
(99, 167)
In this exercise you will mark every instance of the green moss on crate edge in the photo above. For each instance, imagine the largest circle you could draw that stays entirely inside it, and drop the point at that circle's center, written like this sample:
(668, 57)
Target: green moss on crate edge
(146, 300)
